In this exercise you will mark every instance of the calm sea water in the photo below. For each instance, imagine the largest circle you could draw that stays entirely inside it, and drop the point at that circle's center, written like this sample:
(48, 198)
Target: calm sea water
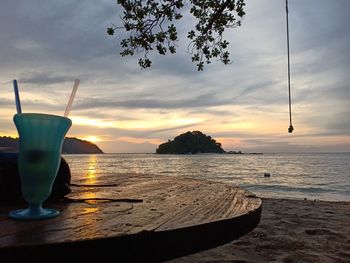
(324, 176)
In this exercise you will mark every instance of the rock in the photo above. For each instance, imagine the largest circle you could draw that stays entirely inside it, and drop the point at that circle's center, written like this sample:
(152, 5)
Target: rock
(10, 183)
(61, 185)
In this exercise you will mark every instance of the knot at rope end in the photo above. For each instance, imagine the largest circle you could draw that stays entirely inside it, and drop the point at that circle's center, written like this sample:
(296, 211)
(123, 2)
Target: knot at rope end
(290, 129)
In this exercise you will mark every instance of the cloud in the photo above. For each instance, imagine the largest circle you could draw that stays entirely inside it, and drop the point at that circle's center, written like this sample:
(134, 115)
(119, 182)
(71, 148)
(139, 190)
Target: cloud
(7, 102)
(205, 100)
(46, 78)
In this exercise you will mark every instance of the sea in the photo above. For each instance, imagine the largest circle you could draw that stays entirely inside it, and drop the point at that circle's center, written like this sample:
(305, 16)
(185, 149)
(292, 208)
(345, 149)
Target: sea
(315, 176)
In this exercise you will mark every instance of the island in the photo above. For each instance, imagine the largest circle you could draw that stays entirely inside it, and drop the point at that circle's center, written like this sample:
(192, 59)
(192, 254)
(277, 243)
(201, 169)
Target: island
(70, 146)
(190, 143)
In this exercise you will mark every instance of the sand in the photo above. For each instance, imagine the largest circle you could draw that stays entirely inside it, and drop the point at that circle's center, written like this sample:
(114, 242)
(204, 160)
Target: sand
(289, 231)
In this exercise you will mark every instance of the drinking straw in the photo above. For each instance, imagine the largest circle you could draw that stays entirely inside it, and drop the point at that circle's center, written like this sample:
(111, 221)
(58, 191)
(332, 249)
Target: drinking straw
(72, 95)
(18, 101)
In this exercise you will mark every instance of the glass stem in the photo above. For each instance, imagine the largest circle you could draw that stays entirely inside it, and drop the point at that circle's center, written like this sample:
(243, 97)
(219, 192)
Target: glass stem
(35, 208)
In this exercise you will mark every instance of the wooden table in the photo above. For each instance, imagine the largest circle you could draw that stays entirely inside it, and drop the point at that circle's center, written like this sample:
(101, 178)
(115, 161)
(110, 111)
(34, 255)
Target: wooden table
(155, 219)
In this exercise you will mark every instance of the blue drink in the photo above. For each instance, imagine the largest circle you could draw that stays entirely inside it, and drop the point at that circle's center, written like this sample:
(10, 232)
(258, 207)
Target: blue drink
(40, 144)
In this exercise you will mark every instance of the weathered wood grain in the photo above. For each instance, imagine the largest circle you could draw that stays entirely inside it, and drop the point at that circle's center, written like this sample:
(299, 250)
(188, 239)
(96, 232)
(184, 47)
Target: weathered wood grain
(177, 216)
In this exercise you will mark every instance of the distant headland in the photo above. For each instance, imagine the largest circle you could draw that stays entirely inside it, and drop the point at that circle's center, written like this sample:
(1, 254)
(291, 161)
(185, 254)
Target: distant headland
(70, 146)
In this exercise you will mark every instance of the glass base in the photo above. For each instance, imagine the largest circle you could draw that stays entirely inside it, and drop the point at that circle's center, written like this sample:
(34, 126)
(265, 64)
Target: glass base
(33, 214)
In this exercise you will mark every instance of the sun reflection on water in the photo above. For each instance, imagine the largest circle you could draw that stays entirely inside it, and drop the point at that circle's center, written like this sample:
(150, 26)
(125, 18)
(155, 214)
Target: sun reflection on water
(91, 170)
(90, 178)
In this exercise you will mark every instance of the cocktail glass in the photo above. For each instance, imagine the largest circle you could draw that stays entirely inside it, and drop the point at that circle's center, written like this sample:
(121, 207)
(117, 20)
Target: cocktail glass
(40, 144)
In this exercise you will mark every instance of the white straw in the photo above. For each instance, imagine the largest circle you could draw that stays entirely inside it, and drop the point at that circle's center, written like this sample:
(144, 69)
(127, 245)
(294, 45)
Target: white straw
(18, 101)
(72, 95)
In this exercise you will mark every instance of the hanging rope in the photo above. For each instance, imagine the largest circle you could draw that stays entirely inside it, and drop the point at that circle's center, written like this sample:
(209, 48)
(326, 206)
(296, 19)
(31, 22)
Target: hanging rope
(290, 129)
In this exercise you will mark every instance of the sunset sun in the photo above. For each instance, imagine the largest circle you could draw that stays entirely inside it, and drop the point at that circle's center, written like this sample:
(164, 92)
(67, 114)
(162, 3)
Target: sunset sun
(92, 139)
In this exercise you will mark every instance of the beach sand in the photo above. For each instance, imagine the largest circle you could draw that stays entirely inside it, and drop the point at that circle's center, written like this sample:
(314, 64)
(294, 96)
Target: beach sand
(289, 231)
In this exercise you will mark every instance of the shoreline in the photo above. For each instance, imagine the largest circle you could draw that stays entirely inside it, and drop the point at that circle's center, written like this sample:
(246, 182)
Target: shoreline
(290, 230)
(292, 198)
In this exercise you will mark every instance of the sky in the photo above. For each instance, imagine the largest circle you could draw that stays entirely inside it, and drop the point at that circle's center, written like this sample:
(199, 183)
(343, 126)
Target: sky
(46, 45)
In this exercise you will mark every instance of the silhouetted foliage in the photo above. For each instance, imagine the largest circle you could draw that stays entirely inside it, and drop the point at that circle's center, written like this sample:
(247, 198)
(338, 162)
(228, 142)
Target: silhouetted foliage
(151, 27)
(190, 142)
